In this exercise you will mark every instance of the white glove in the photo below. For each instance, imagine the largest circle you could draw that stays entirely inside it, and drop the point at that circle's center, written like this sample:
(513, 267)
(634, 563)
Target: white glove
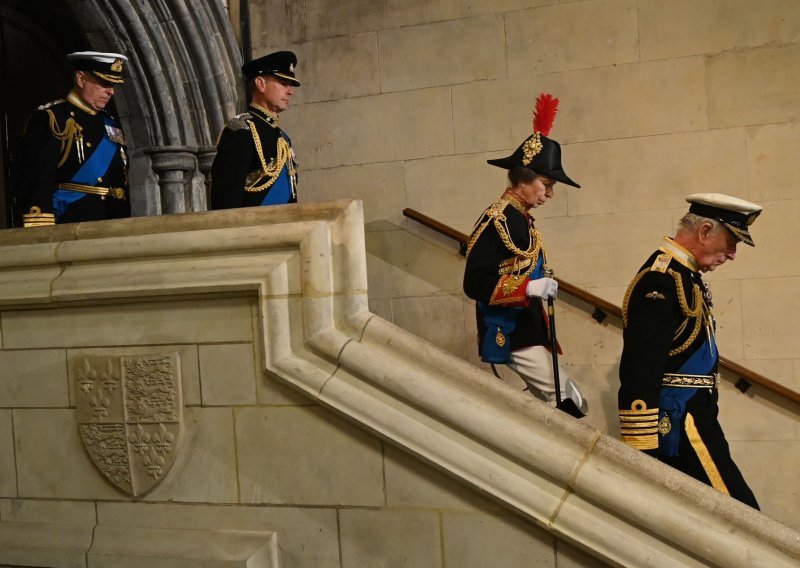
(542, 288)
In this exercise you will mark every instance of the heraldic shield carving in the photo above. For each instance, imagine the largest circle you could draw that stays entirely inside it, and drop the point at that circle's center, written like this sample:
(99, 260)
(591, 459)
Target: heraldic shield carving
(130, 416)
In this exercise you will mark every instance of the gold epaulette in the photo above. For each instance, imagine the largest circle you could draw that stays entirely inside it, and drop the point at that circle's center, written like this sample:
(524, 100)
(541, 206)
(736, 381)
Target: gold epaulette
(495, 214)
(35, 218)
(639, 426)
(661, 263)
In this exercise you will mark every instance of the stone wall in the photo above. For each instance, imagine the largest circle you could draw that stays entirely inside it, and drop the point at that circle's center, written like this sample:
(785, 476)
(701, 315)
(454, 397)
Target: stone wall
(334, 494)
(404, 100)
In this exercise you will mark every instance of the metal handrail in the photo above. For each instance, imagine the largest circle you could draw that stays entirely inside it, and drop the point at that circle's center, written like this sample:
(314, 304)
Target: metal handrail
(747, 377)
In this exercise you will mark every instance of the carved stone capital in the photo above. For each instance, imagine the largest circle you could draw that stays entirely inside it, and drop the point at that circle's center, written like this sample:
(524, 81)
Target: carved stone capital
(205, 157)
(172, 158)
(172, 164)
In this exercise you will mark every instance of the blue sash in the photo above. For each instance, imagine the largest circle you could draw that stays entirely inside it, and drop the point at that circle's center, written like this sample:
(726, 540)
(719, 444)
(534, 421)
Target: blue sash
(95, 167)
(62, 199)
(280, 192)
(538, 270)
(673, 399)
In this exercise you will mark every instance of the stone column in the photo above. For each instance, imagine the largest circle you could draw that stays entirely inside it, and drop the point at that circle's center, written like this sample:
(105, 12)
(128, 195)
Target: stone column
(171, 164)
(205, 157)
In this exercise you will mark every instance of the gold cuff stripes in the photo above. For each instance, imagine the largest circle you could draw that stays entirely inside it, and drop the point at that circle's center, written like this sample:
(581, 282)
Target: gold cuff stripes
(639, 426)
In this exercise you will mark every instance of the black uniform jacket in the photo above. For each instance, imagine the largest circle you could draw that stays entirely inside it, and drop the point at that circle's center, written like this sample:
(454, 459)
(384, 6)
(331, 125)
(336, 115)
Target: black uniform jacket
(667, 320)
(240, 162)
(489, 260)
(59, 138)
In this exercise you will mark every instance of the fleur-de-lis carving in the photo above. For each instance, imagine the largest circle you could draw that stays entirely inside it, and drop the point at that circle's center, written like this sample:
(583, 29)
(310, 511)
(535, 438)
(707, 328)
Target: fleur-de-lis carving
(109, 380)
(140, 441)
(100, 404)
(87, 377)
(154, 464)
(162, 440)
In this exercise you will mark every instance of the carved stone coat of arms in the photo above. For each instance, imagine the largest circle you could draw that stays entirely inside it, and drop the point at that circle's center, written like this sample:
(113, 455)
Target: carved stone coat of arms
(130, 416)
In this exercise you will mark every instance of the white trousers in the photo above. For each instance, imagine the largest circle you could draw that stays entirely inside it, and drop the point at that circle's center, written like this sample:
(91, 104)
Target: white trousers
(535, 366)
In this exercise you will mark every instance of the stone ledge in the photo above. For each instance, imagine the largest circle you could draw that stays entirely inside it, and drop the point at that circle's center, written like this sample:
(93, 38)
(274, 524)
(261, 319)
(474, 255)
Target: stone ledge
(71, 545)
(44, 544)
(130, 547)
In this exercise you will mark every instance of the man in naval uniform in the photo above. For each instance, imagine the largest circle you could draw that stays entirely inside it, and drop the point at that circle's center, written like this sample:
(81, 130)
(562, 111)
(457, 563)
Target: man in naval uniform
(255, 164)
(669, 370)
(507, 273)
(74, 162)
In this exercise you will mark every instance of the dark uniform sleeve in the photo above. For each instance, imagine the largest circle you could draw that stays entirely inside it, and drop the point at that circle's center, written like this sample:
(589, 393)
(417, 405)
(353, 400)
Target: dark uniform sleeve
(481, 274)
(230, 168)
(40, 157)
(653, 317)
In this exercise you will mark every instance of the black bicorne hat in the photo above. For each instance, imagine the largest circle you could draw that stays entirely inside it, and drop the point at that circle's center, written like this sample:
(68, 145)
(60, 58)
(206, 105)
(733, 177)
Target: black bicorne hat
(106, 66)
(280, 64)
(538, 152)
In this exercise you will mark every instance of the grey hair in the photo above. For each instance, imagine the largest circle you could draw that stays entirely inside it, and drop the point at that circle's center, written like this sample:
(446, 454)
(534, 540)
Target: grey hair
(692, 221)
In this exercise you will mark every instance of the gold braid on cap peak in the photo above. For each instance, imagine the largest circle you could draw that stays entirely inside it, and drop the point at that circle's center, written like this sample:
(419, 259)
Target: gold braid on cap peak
(109, 78)
(544, 113)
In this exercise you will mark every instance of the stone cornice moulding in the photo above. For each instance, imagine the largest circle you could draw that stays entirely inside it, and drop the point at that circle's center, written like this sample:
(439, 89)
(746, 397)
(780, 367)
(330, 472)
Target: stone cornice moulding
(62, 544)
(307, 265)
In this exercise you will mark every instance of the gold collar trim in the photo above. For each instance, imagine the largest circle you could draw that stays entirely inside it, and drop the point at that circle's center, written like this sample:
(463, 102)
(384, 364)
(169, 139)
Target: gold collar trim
(515, 202)
(680, 254)
(270, 117)
(76, 100)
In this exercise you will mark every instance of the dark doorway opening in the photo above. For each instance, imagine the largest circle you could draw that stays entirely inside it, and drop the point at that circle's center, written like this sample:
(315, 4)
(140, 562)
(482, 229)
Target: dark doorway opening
(35, 36)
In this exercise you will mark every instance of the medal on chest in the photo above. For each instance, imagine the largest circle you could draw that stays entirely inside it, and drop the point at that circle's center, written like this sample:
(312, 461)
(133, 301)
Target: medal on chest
(115, 134)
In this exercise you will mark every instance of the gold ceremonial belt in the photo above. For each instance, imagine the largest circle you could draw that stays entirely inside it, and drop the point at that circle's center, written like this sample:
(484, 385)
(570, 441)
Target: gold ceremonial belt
(113, 192)
(513, 264)
(690, 381)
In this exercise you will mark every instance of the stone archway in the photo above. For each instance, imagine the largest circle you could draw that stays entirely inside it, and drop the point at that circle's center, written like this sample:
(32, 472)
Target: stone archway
(183, 85)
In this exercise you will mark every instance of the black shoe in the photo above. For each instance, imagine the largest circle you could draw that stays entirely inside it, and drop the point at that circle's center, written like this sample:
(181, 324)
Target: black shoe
(568, 405)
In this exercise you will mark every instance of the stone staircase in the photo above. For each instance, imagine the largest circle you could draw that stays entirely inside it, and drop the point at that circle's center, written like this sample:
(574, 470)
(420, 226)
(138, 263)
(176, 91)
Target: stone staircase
(306, 267)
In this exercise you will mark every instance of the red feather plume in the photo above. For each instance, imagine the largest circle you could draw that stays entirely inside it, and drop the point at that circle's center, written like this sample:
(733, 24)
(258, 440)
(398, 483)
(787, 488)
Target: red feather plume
(544, 113)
